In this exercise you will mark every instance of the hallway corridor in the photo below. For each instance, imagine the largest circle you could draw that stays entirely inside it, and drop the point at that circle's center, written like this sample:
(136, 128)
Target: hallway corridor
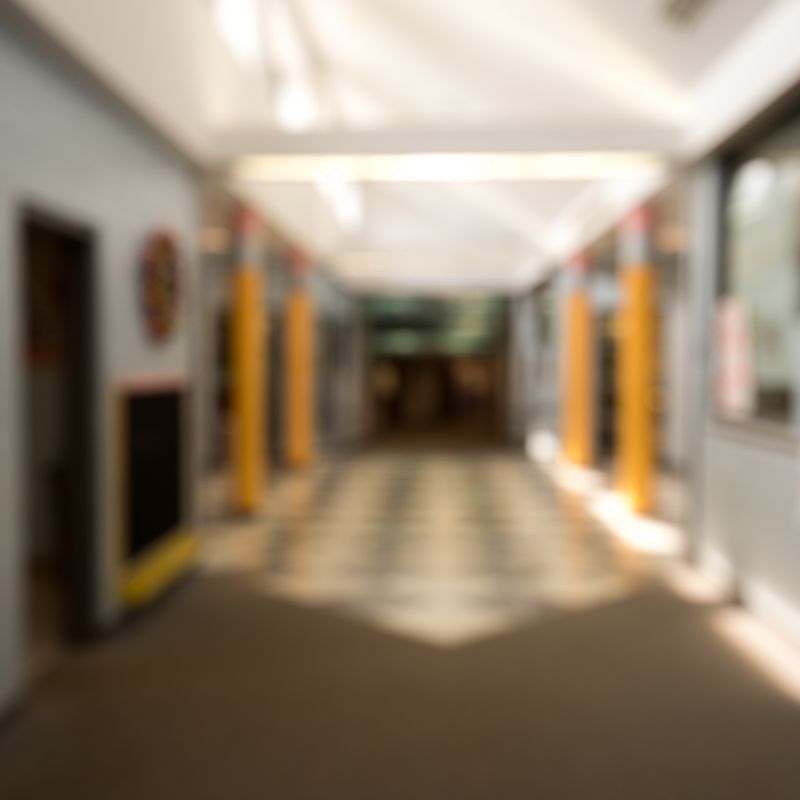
(411, 627)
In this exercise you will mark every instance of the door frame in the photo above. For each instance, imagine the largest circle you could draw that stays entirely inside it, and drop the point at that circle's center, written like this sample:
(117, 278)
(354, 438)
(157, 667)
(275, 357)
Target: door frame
(80, 558)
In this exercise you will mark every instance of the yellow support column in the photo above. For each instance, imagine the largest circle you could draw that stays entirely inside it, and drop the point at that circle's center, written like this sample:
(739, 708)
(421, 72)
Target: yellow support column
(577, 394)
(636, 365)
(248, 362)
(299, 378)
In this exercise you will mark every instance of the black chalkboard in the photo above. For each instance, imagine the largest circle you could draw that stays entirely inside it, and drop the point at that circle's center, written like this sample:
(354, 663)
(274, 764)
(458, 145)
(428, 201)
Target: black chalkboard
(154, 466)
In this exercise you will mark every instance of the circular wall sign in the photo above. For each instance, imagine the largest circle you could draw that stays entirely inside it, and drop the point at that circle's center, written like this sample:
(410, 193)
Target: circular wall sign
(160, 277)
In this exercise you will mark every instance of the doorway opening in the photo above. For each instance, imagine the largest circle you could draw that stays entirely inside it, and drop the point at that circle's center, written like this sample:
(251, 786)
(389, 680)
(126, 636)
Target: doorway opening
(57, 282)
(438, 400)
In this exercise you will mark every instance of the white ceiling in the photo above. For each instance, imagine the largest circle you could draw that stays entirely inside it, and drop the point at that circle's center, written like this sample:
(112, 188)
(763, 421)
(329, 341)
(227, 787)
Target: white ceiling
(573, 71)
(398, 77)
(508, 62)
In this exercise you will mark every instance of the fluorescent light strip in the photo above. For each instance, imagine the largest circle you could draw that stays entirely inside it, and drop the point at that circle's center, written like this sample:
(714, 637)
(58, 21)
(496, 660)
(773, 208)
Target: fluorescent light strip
(384, 259)
(448, 167)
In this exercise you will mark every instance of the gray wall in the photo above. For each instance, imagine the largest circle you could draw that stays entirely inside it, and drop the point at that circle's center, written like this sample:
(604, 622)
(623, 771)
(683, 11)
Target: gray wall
(744, 521)
(340, 386)
(68, 148)
(750, 513)
(522, 347)
(673, 348)
(534, 378)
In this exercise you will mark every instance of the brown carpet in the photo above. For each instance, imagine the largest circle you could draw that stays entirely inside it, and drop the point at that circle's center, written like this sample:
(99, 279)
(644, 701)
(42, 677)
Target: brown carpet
(224, 693)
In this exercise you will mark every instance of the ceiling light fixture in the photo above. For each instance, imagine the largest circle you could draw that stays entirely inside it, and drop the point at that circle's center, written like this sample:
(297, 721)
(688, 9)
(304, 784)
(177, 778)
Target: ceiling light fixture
(296, 109)
(238, 24)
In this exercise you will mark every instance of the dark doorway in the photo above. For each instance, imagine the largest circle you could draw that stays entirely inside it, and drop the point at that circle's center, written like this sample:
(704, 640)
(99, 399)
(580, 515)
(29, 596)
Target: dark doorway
(275, 389)
(59, 377)
(606, 389)
(221, 379)
(448, 401)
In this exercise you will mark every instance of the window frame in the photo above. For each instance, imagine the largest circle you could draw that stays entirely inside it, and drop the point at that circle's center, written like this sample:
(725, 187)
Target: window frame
(783, 434)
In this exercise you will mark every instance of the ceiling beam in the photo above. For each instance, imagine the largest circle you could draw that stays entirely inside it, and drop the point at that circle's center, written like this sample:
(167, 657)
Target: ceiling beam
(579, 136)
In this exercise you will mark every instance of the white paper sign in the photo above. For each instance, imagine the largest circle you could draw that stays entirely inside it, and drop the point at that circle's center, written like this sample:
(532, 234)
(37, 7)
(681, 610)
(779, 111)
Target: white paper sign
(735, 374)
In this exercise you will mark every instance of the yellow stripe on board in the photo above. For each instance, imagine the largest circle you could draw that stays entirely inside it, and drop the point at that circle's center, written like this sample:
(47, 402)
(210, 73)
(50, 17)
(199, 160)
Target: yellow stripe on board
(248, 393)
(636, 384)
(158, 568)
(299, 378)
(578, 425)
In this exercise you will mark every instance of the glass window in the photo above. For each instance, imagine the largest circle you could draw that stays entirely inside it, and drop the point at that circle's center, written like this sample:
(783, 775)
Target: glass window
(757, 312)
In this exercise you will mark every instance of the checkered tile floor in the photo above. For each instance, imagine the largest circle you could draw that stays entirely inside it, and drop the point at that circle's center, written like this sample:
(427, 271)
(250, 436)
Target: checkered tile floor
(444, 548)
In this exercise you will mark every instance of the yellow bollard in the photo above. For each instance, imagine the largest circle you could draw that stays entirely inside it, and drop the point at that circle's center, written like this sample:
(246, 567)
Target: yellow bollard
(636, 368)
(577, 395)
(248, 378)
(299, 378)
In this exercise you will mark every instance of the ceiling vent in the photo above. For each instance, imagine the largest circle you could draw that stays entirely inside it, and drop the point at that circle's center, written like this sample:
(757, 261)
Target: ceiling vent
(685, 12)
